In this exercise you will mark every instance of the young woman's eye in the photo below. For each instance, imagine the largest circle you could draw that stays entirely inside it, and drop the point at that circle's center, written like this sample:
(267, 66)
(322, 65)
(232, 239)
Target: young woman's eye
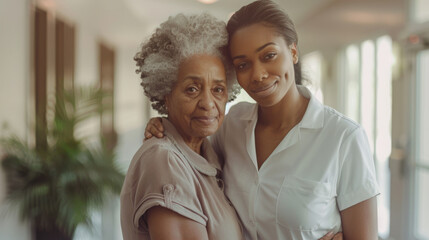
(241, 66)
(269, 56)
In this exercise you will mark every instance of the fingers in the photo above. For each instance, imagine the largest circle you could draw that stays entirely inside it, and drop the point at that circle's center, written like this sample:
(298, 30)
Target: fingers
(328, 236)
(338, 236)
(147, 135)
(158, 125)
(154, 128)
(152, 131)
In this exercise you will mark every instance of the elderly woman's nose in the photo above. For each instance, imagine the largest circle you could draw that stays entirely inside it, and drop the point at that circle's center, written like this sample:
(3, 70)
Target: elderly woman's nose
(206, 100)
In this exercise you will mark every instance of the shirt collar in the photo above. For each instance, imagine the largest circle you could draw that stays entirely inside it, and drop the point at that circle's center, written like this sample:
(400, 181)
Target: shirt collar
(250, 115)
(207, 163)
(313, 117)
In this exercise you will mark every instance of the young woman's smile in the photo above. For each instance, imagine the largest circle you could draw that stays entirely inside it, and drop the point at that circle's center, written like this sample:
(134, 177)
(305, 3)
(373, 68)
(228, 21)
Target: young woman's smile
(264, 90)
(263, 62)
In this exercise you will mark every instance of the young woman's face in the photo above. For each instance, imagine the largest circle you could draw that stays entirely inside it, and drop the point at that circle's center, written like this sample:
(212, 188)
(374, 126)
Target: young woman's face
(196, 105)
(263, 62)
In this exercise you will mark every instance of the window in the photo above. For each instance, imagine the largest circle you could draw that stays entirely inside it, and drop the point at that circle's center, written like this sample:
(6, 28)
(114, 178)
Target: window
(420, 11)
(352, 82)
(367, 84)
(64, 56)
(383, 123)
(107, 76)
(421, 164)
(312, 69)
(367, 88)
(40, 74)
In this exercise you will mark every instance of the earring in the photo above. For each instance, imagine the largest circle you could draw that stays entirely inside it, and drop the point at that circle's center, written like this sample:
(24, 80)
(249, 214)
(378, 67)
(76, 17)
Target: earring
(295, 59)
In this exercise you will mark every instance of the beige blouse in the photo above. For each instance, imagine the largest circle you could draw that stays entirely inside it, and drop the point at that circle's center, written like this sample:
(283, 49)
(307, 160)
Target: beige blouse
(166, 172)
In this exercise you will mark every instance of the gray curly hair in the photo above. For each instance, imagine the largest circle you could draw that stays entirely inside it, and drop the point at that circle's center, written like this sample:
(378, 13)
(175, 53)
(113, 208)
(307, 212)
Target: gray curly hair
(175, 40)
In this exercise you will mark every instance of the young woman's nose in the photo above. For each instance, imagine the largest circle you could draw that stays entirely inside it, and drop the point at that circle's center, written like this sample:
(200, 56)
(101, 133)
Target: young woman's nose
(259, 73)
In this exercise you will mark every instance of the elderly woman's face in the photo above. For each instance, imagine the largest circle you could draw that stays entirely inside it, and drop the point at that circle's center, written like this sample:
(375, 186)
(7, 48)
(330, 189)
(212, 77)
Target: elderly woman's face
(196, 105)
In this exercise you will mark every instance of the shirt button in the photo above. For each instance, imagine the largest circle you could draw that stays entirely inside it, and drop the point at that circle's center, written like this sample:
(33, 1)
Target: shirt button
(220, 183)
(168, 188)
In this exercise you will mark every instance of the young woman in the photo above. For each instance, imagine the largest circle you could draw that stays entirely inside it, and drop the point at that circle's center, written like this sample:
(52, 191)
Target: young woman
(294, 169)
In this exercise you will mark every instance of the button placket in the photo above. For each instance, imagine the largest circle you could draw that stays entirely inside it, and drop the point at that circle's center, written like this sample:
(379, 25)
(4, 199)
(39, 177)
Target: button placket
(253, 204)
(219, 180)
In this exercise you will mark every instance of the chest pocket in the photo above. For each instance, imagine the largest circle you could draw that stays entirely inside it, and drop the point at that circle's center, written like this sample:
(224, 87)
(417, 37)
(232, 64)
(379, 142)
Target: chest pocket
(303, 204)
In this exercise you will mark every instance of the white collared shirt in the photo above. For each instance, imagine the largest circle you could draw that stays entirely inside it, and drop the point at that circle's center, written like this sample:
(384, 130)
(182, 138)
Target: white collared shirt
(322, 166)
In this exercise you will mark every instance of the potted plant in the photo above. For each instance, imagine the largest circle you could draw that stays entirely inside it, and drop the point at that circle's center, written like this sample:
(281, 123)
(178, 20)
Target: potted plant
(57, 187)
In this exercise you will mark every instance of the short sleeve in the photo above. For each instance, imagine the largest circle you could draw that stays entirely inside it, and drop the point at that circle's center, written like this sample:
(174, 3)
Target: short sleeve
(165, 179)
(357, 181)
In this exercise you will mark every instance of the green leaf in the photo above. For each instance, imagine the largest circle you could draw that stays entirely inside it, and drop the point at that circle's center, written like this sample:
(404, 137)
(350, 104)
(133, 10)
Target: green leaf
(62, 184)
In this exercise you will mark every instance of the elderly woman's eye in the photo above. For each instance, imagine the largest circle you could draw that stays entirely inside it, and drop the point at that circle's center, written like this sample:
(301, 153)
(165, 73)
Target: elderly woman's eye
(219, 90)
(191, 89)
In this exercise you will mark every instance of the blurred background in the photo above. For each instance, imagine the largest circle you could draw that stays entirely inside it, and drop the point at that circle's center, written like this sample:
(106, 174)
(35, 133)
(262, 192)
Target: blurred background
(369, 59)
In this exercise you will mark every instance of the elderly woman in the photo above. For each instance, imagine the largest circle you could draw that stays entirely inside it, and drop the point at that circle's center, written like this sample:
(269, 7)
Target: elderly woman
(180, 194)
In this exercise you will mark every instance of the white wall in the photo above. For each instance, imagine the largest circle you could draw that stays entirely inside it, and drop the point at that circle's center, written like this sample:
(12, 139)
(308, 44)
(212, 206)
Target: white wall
(14, 64)
(14, 96)
(129, 96)
(131, 114)
(86, 69)
(131, 108)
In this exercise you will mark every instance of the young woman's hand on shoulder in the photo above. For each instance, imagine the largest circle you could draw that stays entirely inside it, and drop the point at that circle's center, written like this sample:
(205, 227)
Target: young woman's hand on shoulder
(154, 128)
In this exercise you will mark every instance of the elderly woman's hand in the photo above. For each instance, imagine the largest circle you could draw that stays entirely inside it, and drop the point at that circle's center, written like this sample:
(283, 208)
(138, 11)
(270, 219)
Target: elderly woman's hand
(154, 128)
(331, 236)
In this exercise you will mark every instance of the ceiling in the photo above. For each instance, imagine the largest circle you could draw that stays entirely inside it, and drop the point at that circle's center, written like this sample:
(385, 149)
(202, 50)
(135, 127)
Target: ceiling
(321, 24)
(342, 22)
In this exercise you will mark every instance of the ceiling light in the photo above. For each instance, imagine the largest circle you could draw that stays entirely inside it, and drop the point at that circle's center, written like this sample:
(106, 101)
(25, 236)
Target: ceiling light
(207, 1)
